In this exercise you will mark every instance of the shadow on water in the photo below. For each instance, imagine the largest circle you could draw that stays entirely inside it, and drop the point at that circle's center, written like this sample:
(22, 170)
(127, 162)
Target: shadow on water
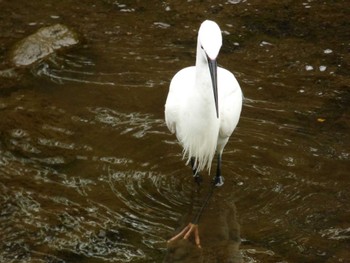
(90, 173)
(219, 232)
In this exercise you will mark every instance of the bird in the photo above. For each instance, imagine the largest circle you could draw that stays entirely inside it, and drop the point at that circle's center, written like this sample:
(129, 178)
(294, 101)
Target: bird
(202, 109)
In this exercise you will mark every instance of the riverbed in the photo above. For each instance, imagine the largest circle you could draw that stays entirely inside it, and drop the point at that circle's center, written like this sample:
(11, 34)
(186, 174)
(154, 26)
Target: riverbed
(90, 173)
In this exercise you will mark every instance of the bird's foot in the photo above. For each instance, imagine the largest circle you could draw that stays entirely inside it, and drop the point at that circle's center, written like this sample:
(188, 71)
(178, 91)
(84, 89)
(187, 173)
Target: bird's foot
(186, 233)
(218, 181)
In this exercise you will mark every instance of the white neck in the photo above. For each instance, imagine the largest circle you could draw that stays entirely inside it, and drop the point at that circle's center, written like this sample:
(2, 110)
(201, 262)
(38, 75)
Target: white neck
(203, 85)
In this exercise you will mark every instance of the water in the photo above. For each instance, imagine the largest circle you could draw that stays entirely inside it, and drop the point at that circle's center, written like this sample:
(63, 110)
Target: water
(90, 173)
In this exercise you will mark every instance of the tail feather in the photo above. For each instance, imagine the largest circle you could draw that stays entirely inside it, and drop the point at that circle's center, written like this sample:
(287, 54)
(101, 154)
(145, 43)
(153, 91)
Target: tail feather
(202, 151)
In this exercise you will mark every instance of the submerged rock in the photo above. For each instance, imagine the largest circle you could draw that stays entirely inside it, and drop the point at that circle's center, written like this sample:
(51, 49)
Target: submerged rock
(41, 44)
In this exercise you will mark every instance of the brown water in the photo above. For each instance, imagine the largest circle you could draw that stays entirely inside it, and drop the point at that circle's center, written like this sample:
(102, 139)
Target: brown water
(90, 173)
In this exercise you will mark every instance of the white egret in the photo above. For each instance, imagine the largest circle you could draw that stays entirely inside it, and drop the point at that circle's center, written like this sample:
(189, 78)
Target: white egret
(203, 108)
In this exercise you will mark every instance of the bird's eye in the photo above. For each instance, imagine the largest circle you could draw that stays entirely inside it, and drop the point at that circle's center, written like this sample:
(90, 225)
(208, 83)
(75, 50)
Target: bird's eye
(202, 47)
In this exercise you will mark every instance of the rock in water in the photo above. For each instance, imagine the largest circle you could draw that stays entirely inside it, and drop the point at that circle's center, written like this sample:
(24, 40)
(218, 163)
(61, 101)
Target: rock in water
(42, 43)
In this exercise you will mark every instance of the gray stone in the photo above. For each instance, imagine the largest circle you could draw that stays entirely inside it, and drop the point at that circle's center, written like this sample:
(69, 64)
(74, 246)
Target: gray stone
(41, 44)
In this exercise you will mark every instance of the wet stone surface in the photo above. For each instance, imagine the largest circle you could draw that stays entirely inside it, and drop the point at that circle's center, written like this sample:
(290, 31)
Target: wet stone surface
(41, 44)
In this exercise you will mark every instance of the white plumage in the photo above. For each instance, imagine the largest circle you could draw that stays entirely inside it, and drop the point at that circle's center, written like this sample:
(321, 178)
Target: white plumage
(190, 109)
(203, 108)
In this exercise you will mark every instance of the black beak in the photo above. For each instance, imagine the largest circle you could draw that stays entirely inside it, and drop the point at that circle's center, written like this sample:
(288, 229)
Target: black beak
(213, 69)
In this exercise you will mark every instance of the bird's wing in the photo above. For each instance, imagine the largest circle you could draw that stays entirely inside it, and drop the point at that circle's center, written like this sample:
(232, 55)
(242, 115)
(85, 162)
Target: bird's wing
(177, 89)
(230, 102)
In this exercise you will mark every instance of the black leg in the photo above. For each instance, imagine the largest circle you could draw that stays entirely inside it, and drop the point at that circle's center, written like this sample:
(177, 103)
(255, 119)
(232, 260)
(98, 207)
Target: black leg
(219, 180)
(196, 176)
(205, 203)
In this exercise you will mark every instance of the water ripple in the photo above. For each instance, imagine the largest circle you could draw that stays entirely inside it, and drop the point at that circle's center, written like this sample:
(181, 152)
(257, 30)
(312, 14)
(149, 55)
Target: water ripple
(70, 68)
(136, 123)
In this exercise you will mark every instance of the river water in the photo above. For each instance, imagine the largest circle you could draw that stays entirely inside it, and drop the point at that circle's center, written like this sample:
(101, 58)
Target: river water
(90, 173)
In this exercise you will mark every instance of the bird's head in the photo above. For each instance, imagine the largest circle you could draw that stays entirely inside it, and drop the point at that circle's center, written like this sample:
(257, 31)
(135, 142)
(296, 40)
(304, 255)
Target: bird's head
(210, 41)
